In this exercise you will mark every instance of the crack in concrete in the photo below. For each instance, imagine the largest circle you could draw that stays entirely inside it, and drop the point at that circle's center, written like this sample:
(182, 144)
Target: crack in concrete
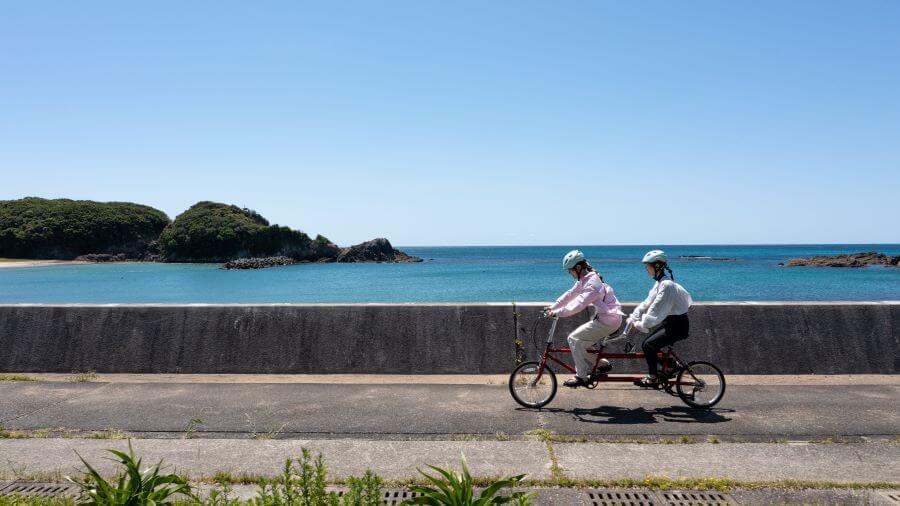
(23, 415)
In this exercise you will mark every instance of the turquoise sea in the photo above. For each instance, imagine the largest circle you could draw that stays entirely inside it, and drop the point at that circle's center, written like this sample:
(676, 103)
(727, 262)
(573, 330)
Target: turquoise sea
(462, 274)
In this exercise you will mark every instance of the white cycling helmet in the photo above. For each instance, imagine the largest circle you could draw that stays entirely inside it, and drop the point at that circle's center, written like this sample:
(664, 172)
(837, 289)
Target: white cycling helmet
(654, 256)
(572, 258)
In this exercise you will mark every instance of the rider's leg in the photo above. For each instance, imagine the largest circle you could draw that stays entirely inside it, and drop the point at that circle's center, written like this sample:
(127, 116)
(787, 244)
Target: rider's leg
(672, 330)
(651, 346)
(583, 338)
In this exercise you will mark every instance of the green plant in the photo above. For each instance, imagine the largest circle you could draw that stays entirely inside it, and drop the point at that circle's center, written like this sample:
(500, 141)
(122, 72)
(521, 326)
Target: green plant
(26, 500)
(364, 491)
(193, 425)
(458, 489)
(542, 434)
(131, 486)
(83, 376)
(17, 377)
(221, 495)
(302, 483)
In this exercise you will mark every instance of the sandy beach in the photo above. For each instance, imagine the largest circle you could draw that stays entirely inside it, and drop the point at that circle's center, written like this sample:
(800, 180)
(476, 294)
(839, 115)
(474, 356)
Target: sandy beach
(14, 262)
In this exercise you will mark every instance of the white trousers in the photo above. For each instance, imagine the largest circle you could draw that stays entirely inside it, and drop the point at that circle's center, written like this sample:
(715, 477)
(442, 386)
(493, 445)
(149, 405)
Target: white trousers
(583, 338)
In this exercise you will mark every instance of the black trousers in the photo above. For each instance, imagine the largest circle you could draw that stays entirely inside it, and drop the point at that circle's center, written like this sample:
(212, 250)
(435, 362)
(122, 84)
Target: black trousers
(673, 329)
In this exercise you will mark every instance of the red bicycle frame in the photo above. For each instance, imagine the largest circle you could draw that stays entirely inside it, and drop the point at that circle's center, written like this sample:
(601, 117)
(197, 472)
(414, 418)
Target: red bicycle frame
(664, 359)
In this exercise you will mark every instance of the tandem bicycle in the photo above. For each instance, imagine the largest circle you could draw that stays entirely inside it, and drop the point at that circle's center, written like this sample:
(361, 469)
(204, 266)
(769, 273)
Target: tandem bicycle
(698, 384)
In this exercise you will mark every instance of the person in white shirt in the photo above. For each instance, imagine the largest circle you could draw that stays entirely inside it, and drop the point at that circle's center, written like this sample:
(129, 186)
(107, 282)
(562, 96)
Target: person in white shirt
(663, 314)
(589, 291)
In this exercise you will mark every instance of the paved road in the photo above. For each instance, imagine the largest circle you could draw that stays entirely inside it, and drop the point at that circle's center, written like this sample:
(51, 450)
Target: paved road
(389, 411)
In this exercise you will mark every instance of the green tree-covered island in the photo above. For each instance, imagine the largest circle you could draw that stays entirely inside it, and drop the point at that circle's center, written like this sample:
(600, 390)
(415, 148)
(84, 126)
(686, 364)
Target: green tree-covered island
(64, 229)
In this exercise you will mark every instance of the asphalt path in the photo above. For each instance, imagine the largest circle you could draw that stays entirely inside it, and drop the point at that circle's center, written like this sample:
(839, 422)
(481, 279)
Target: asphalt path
(397, 411)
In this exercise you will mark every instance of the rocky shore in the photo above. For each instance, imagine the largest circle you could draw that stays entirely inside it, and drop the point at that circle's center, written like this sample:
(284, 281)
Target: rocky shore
(258, 263)
(702, 258)
(850, 260)
(377, 250)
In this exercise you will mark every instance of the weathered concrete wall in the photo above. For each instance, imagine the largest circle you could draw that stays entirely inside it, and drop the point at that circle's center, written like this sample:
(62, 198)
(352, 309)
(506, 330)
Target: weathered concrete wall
(742, 338)
(769, 337)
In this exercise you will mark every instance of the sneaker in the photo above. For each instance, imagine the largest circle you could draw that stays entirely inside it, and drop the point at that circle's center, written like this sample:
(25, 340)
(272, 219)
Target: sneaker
(576, 382)
(600, 372)
(603, 368)
(647, 382)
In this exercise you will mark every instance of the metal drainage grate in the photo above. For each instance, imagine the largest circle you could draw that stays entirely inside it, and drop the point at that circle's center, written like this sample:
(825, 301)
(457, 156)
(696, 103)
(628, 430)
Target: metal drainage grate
(397, 496)
(392, 496)
(35, 489)
(892, 497)
(620, 498)
(695, 498)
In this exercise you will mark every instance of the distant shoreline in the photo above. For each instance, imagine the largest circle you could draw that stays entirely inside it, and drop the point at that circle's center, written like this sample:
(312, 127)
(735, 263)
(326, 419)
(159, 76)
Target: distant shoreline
(13, 263)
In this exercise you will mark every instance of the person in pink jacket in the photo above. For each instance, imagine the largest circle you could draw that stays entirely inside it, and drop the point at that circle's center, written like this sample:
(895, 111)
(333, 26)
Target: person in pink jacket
(589, 291)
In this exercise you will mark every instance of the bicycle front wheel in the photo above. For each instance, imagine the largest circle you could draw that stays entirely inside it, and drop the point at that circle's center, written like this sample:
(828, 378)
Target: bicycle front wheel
(700, 385)
(532, 387)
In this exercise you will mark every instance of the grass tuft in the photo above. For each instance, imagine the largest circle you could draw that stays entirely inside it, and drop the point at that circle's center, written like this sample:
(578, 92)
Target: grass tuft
(18, 377)
(83, 376)
(542, 434)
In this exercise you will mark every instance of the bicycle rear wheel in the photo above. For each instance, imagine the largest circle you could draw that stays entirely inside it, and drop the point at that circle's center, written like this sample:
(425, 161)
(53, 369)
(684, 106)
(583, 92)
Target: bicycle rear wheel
(530, 387)
(700, 385)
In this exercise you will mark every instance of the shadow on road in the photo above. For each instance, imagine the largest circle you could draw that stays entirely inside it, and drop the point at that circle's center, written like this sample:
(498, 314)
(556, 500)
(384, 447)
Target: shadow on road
(615, 415)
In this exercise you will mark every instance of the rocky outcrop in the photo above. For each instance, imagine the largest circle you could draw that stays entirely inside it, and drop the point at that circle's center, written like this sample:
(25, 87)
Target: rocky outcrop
(101, 257)
(146, 252)
(376, 250)
(258, 263)
(851, 260)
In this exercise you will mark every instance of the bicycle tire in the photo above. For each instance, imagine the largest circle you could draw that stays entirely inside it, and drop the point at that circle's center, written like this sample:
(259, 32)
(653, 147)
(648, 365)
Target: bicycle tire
(519, 378)
(689, 397)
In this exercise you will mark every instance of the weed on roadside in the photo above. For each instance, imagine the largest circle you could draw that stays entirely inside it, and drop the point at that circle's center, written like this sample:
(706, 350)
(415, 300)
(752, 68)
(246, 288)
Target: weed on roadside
(18, 377)
(105, 434)
(83, 376)
(270, 431)
(303, 482)
(24, 500)
(133, 485)
(542, 434)
(463, 437)
(448, 487)
(22, 434)
(192, 427)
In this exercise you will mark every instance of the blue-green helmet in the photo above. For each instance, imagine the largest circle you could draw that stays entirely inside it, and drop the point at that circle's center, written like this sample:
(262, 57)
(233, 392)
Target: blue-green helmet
(572, 258)
(654, 256)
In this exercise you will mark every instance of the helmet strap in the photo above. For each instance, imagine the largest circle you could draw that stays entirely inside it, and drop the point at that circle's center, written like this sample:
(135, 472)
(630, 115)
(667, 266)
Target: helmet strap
(659, 270)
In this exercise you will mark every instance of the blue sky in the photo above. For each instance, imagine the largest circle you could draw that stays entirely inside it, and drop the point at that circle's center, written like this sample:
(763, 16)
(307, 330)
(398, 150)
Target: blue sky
(455, 123)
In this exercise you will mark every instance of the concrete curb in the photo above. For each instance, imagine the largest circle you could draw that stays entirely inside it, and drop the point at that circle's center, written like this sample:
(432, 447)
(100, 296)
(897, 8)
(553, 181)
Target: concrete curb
(844, 463)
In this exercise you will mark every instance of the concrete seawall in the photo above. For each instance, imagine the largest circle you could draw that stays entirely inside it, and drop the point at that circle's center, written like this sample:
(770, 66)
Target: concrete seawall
(741, 337)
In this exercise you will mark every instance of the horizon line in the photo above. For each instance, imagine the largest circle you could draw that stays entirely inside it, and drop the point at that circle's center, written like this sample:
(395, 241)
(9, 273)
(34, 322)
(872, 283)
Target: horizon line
(641, 245)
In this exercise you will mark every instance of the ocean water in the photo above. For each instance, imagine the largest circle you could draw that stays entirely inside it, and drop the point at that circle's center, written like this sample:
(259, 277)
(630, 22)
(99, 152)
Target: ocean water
(462, 274)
